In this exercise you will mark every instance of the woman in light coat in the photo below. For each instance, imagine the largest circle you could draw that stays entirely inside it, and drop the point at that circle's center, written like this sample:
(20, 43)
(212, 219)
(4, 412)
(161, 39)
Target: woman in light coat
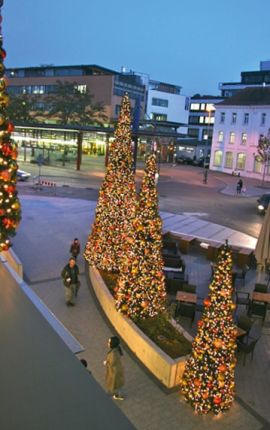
(115, 378)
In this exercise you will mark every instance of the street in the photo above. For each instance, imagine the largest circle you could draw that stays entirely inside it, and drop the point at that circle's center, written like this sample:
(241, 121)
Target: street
(181, 190)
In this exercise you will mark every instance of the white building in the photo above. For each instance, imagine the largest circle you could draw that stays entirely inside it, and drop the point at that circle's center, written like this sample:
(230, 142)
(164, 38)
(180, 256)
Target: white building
(166, 103)
(239, 122)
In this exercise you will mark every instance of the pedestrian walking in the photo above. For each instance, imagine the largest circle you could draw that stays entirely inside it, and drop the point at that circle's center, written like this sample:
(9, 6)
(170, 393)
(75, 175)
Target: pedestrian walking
(70, 275)
(239, 186)
(115, 377)
(75, 248)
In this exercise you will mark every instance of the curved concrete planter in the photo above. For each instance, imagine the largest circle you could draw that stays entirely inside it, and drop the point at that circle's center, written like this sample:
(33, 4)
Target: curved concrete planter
(167, 370)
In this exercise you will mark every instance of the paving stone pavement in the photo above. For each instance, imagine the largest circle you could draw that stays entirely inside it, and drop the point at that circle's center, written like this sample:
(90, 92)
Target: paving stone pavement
(42, 243)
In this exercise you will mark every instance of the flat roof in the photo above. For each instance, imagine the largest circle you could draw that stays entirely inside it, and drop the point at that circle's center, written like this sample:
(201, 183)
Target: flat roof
(250, 96)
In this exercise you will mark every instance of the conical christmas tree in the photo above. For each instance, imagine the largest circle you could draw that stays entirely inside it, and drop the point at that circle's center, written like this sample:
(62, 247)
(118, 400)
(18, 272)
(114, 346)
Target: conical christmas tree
(141, 290)
(10, 213)
(208, 379)
(116, 206)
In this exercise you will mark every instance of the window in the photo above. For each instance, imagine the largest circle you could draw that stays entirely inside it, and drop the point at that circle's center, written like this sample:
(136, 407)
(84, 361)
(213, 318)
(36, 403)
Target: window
(195, 106)
(117, 109)
(201, 119)
(158, 116)
(222, 117)
(234, 117)
(244, 139)
(241, 161)
(218, 158)
(263, 118)
(160, 102)
(257, 165)
(202, 106)
(232, 137)
(81, 88)
(220, 136)
(246, 118)
(229, 160)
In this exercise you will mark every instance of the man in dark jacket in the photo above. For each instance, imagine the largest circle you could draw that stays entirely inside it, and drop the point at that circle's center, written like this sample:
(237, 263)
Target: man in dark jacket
(75, 248)
(70, 275)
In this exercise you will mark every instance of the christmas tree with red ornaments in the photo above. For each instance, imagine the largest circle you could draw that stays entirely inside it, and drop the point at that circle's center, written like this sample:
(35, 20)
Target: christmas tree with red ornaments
(117, 201)
(208, 379)
(10, 213)
(140, 291)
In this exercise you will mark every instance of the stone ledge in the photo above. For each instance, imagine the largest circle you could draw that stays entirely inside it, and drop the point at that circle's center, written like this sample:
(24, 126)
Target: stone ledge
(167, 370)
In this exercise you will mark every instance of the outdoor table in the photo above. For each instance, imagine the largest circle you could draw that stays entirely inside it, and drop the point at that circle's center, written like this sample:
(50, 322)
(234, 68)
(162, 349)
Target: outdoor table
(261, 297)
(183, 296)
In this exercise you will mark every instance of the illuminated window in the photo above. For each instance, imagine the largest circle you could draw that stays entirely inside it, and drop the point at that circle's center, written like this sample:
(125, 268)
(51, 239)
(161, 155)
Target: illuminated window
(81, 88)
(220, 136)
(232, 137)
(210, 107)
(202, 106)
(234, 117)
(222, 117)
(246, 118)
(218, 158)
(244, 138)
(241, 161)
(195, 106)
(229, 160)
(202, 119)
(263, 118)
(257, 165)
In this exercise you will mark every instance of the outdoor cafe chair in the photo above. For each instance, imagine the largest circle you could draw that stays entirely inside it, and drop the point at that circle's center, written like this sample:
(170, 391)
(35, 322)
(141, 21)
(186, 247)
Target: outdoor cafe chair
(257, 309)
(242, 298)
(247, 348)
(186, 310)
(245, 323)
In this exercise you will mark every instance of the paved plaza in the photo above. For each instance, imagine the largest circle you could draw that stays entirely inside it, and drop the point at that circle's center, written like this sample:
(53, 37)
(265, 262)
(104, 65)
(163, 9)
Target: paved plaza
(48, 226)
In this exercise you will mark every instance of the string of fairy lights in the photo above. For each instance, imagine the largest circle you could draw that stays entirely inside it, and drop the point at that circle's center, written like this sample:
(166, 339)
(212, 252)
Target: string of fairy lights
(10, 213)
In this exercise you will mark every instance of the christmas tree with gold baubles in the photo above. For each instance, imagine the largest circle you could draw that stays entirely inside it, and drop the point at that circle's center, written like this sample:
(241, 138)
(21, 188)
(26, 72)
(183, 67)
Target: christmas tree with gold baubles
(10, 213)
(116, 207)
(208, 379)
(140, 291)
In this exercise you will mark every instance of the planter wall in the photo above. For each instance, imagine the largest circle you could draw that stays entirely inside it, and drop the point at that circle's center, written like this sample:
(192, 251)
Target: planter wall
(167, 370)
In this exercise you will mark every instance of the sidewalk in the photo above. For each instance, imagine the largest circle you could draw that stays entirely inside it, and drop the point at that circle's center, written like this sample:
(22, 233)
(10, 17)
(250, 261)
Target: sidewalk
(42, 243)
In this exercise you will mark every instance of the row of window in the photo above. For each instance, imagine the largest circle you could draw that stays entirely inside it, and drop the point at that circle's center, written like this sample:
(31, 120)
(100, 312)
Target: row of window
(209, 107)
(41, 89)
(240, 161)
(232, 137)
(245, 118)
(160, 102)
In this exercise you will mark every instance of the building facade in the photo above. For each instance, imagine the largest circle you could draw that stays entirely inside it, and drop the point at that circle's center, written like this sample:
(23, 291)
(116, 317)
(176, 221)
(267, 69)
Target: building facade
(256, 78)
(107, 86)
(239, 122)
(166, 103)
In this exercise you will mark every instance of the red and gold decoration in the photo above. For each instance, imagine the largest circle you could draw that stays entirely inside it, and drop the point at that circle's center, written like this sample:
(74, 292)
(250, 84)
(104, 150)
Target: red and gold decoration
(10, 213)
(140, 292)
(116, 208)
(208, 379)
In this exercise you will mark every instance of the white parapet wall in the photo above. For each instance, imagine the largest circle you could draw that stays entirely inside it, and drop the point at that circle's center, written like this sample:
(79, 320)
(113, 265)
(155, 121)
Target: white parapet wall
(13, 261)
(167, 370)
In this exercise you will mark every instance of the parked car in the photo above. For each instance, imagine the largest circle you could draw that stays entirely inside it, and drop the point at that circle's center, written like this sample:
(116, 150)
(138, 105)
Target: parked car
(22, 175)
(262, 203)
(183, 159)
(202, 161)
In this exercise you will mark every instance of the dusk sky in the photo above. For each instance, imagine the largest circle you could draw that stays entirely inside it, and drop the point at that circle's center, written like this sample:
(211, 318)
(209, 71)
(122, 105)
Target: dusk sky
(195, 44)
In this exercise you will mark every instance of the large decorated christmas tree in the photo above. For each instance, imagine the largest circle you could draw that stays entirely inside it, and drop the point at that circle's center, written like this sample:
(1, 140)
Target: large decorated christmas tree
(208, 379)
(140, 292)
(10, 213)
(116, 206)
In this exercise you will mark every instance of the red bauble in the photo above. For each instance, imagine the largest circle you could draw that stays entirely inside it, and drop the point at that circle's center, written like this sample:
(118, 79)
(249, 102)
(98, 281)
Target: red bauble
(217, 400)
(3, 53)
(10, 127)
(207, 302)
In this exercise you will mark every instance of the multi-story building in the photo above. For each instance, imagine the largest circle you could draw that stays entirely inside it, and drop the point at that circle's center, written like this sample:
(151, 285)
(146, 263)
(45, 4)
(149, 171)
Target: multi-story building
(166, 103)
(239, 122)
(257, 78)
(202, 117)
(107, 86)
